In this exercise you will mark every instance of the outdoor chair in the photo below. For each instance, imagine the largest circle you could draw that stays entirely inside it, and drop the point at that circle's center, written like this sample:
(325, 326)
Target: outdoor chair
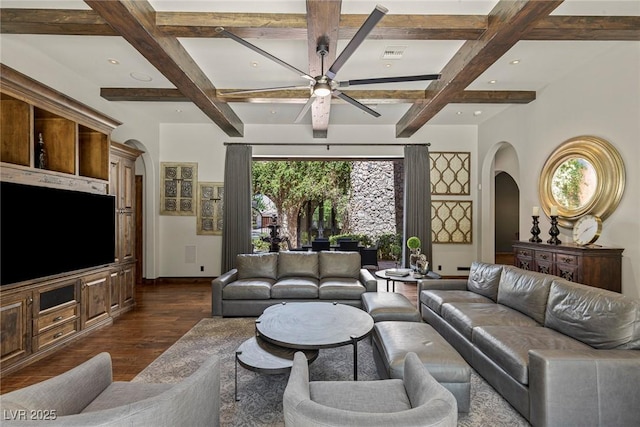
(349, 245)
(369, 258)
(417, 400)
(320, 245)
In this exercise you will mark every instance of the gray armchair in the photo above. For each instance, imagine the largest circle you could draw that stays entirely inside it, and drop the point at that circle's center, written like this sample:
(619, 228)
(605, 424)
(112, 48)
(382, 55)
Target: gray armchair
(87, 396)
(418, 400)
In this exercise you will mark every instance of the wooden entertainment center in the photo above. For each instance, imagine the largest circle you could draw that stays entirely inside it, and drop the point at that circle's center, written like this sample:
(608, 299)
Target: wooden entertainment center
(39, 316)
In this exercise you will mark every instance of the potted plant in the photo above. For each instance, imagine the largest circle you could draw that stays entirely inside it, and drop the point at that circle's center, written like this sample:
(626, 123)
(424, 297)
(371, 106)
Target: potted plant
(413, 243)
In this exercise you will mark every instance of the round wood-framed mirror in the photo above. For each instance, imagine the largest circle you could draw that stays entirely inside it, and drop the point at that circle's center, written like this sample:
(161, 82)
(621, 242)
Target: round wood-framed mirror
(584, 175)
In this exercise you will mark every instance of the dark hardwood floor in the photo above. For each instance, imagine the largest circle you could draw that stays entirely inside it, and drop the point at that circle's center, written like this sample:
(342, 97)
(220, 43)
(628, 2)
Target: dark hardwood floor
(163, 313)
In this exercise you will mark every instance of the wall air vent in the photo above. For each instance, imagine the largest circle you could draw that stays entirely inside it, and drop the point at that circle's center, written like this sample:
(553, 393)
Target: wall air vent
(393, 52)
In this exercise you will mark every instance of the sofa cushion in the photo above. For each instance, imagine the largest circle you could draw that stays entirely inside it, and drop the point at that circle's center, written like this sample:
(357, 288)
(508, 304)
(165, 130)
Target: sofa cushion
(257, 265)
(295, 287)
(484, 279)
(465, 316)
(525, 291)
(337, 288)
(508, 346)
(298, 264)
(339, 264)
(435, 298)
(600, 318)
(248, 289)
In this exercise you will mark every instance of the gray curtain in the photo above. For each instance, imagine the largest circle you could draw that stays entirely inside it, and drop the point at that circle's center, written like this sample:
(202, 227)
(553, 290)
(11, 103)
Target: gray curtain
(236, 216)
(417, 200)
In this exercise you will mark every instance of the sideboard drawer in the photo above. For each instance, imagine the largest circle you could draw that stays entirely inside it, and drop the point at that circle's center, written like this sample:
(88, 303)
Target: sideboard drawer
(544, 256)
(525, 253)
(566, 259)
(54, 334)
(54, 318)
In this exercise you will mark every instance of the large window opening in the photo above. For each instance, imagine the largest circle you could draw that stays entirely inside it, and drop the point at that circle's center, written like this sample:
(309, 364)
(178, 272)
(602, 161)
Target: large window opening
(329, 200)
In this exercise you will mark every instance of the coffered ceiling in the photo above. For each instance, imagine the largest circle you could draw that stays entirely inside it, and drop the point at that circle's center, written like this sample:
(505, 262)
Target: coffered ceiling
(167, 57)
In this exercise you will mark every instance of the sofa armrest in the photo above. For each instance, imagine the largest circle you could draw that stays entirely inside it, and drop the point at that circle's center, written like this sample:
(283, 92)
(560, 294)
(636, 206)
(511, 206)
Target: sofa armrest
(586, 388)
(442, 284)
(217, 285)
(368, 280)
(66, 394)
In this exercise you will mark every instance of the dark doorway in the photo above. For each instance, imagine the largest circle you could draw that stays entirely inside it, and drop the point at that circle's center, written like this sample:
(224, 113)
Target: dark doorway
(507, 213)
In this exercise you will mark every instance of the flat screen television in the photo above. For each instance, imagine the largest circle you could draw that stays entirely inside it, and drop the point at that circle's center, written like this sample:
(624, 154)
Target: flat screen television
(47, 231)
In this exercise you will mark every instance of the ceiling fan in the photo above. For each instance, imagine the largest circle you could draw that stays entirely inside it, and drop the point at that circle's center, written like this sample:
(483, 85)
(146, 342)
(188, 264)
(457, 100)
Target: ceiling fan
(325, 84)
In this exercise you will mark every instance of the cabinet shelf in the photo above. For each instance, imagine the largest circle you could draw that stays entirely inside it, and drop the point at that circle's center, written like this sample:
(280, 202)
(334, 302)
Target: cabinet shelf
(76, 137)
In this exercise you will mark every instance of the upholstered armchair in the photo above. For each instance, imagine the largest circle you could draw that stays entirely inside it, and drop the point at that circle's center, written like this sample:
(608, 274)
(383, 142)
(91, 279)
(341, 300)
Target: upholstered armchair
(87, 396)
(418, 400)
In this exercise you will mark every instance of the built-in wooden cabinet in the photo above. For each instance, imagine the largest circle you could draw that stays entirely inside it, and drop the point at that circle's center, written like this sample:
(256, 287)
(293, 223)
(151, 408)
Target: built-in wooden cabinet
(596, 266)
(39, 316)
(122, 186)
(15, 318)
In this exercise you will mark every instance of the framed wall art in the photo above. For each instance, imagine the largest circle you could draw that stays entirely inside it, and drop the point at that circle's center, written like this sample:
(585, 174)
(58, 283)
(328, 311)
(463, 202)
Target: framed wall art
(178, 188)
(450, 173)
(451, 221)
(210, 204)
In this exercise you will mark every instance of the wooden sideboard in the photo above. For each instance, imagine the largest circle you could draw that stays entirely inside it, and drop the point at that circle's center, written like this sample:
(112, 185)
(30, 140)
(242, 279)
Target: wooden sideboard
(592, 265)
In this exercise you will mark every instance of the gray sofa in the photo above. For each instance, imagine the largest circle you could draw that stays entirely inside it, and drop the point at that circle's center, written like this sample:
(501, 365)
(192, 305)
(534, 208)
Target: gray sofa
(262, 280)
(563, 354)
(87, 396)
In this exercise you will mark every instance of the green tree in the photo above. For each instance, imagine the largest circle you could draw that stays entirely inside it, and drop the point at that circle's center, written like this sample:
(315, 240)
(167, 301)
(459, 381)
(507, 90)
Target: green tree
(291, 184)
(566, 183)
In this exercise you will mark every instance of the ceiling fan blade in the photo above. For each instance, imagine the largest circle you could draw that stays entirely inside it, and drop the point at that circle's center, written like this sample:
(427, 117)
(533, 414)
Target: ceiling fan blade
(255, 48)
(378, 13)
(355, 103)
(416, 78)
(268, 89)
(306, 108)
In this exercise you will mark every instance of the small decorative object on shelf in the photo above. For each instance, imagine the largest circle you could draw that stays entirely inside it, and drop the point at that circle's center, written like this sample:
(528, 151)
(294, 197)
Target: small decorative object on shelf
(41, 153)
(535, 230)
(553, 231)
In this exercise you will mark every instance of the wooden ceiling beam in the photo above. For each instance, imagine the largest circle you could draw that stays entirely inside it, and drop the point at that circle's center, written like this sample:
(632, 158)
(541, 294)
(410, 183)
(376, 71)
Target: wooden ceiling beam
(323, 21)
(294, 26)
(508, 21)
(301, 96)
(135, 21)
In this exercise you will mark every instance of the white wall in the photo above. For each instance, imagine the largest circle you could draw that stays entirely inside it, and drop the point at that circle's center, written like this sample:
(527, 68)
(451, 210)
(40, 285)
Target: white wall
(601, 99)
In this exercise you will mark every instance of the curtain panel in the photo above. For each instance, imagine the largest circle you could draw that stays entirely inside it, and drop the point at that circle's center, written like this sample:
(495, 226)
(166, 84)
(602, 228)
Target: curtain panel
(417, 200)
(236, 217)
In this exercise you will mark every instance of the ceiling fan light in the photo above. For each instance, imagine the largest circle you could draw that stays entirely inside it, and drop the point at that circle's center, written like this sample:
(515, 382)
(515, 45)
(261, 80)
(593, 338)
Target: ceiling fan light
(321, 89)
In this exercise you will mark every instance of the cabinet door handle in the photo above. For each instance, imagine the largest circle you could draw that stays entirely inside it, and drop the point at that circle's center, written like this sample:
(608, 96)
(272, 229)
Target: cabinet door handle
(543, 256)
(58, 335)
(57, 319)
(567, 260)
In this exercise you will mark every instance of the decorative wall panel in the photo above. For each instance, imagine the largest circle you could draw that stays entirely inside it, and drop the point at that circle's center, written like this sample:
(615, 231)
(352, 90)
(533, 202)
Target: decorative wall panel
(451, 221)
(210, 198)
(450, 173)
(178, 188)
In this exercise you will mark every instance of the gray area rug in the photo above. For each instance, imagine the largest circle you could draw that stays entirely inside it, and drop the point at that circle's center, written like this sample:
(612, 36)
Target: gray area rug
(260, 395)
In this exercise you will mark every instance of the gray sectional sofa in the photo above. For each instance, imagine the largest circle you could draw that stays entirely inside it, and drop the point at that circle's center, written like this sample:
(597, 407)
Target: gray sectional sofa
(262, 280)
(563, 354)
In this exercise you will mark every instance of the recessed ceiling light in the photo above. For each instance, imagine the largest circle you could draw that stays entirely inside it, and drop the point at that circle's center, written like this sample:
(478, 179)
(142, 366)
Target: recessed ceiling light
(113, 61)
(254, 64)
(492, 82)
(459, 113)
(387, 65)
(273, 111)
(141, 77)
(477, 112)
(178, 110)
(514, 62)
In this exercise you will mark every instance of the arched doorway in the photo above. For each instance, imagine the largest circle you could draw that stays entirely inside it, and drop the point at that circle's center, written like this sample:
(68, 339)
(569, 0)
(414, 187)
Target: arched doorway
(507, 213)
